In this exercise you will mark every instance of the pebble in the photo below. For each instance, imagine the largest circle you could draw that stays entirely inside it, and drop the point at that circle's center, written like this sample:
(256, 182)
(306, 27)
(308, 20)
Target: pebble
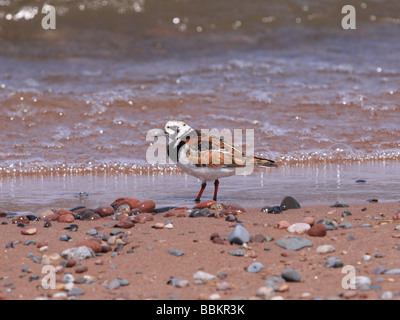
(196, 213)
(72, 227)
(146, 206)
(75, 292)
(65, 237)
(255, 267)
(339, 205)
(283, 224)
(366, 257)
(345, 225)
(380, 270)
(92, 244)
(124, 224)
(289, 203)
(309, 220)
(67, 278)
(92, 232)
(158, 225)
(66, 218)
(334, 262)
(28, 231)
(393, 271)
(329, 224)
(45, 214)
(205, 204)
(237, 253)
(386, 295)
(142, 218)
(298, 228)
(326, 248)
(346, 213)
(203, 276)
(293, 243)
(265, 293)
(239, 235)
(223, 286)
(179, 283)
(116, 283)
(291, 275)
(317, 230)
(176, 253)
(257, 238)
(272, 210)
(79, 253)
(362, 283)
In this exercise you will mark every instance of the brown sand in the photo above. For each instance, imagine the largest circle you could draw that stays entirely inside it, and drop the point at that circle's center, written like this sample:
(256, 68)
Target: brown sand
(150, 267)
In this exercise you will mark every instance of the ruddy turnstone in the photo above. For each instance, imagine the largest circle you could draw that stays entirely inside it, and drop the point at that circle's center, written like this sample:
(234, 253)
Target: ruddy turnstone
(206, 157)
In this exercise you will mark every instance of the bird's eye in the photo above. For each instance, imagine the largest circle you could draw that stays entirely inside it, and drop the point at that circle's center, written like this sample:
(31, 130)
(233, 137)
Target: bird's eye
(167, 127)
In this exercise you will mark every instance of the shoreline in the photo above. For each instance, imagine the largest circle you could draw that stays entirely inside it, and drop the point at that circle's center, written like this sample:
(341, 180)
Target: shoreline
(151, 272)
(310, 185)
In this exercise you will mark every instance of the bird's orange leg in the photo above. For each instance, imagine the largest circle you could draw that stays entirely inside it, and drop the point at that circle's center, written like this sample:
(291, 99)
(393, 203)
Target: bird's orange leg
(216, 184)
(203, 186)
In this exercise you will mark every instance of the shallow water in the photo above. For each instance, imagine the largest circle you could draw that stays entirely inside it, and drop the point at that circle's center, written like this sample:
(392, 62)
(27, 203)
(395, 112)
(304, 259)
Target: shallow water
(310, 185)
(77, 102)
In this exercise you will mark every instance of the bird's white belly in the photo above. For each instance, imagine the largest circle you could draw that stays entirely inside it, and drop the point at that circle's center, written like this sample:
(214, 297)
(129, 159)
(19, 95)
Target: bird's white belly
(205, 173)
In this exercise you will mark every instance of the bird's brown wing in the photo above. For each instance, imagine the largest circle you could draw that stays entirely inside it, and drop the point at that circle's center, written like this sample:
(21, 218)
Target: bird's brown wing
(213, 152)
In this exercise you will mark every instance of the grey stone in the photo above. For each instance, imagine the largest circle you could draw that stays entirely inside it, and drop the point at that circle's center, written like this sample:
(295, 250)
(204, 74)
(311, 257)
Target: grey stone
(176, 253)
(291, 275)
(237, 252)
(293, 243)
(362, 283)
(380, 270)
(255, 267)
(345, 225)
(91, 232)
(79, 253)
(386, 295)
(65, 237)
(204, 276)
(196, 213)
(239, 235)
(393, 271)
(338, 204)
(329, 224)
(334, 262)
(75, 292)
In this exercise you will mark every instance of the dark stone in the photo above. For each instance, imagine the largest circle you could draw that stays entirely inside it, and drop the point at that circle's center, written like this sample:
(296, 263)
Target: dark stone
(291, 275)
(338, 204)
(274, 209)
(346, 213)
(77, 208)
(289, 203)
(163, 209)
(195, 213)
(334, 262)
(372, 200)
(31, 217)
(72, 227)
(361, 181)
(47, 224)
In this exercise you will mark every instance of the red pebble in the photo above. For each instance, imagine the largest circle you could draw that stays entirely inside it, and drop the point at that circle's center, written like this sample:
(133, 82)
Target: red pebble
(66, 218)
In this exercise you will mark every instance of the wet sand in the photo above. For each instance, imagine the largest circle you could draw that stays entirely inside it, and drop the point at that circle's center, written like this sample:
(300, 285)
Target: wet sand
(148, 267)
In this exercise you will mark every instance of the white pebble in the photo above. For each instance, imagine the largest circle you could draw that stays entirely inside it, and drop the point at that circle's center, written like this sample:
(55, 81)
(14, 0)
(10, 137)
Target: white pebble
(325, 248)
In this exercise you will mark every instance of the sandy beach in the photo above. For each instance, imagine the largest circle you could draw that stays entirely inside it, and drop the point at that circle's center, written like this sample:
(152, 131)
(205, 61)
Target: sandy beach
(142, 257)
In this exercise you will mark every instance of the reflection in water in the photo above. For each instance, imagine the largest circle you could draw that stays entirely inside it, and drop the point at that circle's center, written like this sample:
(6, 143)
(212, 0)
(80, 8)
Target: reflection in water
(310, 185)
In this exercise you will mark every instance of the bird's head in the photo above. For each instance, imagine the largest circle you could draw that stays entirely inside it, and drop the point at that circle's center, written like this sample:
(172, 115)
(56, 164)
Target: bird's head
(176, 129)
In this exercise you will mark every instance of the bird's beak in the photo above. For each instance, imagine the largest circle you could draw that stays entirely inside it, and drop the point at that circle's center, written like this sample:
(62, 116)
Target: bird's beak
(158, 133)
